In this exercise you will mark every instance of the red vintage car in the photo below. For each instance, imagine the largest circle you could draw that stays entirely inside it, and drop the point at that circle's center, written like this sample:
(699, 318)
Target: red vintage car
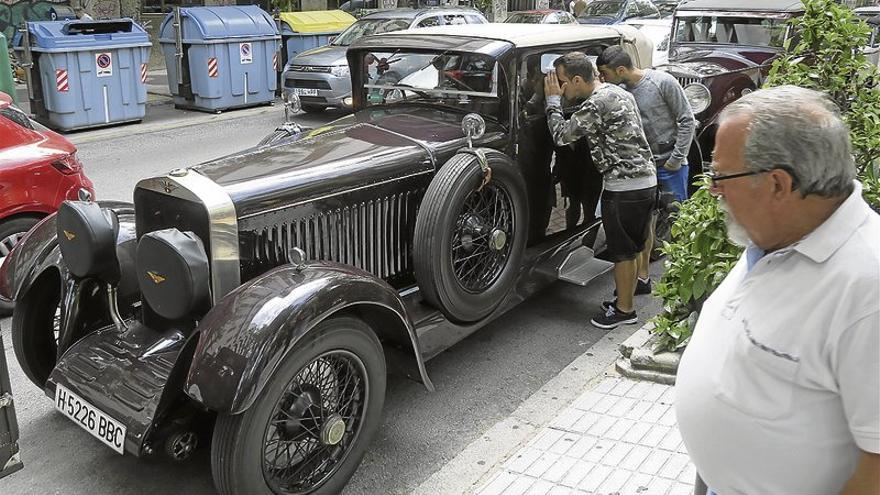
(38, 170)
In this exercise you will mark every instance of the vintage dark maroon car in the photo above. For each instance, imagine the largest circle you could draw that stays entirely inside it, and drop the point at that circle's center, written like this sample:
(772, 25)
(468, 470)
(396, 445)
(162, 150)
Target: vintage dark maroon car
(721, 50)
(265, 295)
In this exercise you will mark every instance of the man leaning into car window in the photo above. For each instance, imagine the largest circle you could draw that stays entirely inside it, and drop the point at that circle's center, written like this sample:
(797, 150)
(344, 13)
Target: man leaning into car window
(611, 124)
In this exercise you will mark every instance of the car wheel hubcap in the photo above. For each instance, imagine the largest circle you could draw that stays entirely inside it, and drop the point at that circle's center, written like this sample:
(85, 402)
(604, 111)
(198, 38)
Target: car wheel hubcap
(480, 246)
(7, 244)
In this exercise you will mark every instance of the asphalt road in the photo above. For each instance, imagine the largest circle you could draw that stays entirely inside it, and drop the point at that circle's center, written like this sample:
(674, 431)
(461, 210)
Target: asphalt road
(479, 382)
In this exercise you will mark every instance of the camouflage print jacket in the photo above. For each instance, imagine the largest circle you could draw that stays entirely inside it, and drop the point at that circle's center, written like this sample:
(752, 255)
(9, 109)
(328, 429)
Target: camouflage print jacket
(612, 126)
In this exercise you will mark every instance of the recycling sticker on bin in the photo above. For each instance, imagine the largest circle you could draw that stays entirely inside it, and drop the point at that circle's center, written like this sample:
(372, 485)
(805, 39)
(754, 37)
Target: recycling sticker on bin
(247, 55)
(104, 64)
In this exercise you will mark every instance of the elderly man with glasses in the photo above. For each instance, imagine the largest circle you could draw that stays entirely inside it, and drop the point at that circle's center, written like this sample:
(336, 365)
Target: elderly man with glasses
(778, 390)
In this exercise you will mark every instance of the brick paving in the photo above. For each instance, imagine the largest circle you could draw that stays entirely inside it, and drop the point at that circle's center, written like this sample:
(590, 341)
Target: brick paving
(620, 438)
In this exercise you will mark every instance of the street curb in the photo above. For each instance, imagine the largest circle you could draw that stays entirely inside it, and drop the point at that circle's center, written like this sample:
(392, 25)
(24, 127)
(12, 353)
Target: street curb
(473, 465)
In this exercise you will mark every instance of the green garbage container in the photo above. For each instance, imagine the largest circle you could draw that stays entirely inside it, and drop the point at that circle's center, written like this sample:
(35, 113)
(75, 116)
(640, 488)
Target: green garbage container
(7, 83)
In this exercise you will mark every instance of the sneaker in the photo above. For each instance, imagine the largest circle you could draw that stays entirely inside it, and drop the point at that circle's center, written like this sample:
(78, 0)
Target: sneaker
(614, 317)
(609, 304)
(642, 287)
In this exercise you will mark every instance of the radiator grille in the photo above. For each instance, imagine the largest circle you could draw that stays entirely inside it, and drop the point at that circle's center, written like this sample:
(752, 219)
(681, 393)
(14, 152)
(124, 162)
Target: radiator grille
(684, 81)
(375, 236)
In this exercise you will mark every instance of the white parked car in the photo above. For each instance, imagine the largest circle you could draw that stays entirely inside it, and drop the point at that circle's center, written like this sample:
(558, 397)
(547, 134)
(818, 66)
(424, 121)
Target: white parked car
(657, 31)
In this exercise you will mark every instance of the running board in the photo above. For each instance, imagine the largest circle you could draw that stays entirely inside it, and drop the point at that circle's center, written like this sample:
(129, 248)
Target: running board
(581, 266)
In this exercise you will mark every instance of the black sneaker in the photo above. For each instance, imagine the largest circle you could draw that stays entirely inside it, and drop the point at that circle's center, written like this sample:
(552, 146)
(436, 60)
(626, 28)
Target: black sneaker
(642, 287)
(609, 304)
(614, 317)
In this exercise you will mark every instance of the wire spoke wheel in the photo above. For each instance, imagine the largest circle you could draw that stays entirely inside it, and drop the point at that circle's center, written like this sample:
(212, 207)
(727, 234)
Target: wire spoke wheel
(315, 422)
(480, 247)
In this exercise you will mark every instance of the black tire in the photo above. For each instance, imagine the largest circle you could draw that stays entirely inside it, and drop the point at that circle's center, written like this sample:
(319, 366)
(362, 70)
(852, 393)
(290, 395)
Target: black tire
(311, 108)
(238, 458)
(10, 232)
(34, 328)
(442, 244)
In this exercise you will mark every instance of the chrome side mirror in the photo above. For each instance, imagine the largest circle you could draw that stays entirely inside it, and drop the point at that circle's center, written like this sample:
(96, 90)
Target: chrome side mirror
(474, 127)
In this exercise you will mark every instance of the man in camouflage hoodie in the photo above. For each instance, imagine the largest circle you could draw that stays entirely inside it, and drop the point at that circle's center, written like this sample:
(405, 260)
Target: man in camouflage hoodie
(610, 122)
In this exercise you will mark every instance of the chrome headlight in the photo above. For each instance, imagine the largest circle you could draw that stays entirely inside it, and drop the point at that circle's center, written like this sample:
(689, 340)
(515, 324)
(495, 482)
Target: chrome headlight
(698, 96)
(339, 71)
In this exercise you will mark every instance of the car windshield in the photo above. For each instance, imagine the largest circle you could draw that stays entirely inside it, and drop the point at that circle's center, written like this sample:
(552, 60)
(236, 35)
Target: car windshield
(366, 27)
(598, 9)
(464, 81)
(752, 31)
(525, 18)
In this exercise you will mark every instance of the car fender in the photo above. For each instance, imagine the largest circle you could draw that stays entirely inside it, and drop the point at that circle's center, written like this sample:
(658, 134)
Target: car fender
(38, 251)
(247, 335)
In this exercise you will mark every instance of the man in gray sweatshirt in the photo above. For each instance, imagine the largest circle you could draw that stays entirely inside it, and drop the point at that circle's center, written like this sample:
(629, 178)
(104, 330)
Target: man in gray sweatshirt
(669, 126)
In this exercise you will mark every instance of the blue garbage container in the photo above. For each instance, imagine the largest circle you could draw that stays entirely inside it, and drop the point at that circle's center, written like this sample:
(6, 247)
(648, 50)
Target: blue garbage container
(86, 73)
(221, 57)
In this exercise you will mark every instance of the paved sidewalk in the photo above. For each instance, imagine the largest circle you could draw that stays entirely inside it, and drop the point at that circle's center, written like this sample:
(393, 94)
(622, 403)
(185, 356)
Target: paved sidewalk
(621, 438)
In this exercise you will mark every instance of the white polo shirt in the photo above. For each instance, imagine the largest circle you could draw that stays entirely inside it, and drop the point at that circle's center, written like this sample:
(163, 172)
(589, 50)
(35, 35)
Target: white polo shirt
(778, 391)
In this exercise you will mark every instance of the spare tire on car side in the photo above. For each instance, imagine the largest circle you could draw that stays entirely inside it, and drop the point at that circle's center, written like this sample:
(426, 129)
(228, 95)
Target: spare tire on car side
(470, 234)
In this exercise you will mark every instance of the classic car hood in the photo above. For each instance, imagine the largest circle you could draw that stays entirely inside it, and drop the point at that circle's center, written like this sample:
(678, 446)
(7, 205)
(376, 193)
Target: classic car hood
(712, 60)
(322, 55)
(353, 152)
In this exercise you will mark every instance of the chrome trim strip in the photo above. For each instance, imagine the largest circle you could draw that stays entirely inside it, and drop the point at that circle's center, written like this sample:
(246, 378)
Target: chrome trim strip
(193, 186)
(339, 193)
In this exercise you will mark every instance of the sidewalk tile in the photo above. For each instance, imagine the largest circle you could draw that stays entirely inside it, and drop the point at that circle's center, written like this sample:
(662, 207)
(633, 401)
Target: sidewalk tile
(585, 423)
(638, 410)
(541, 487)
(497, 484)
(582, 446)
(604, 404)
(602, 425)
(546, 439)
(522, 460)
(655, 413)
(617, 453)
(639, 390)
(622, 387)
(668, 397)
(606, 385)
(543, 463)
(635, 457)
(689, 475)
(519, 486)
(594, 478)
(565, 443)
(623, 406)
(599, 450)
(615, 481)
(636, 485)
(682, 489)
(655, 392)
(559, 469)
(656, 459)
(674, 466)
(586, 401)
(577, 473)
(654, 436)
(658, 486)
(560, 490)
(567, 418)
(637, 432)
(619, 429)
(668, 418)
(671, 441)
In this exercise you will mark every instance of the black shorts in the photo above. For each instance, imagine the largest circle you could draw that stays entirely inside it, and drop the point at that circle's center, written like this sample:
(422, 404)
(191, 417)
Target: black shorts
(626, 216)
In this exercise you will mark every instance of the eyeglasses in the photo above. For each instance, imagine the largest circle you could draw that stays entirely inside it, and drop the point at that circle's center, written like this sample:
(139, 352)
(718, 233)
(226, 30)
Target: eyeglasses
(714, 177)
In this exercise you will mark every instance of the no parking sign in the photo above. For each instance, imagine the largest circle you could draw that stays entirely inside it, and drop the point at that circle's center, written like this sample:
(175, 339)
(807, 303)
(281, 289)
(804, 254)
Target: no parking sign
(246, 52)
(104, 64)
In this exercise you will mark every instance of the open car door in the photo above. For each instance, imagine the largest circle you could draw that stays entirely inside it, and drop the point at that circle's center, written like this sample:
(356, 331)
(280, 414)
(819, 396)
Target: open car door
(10, 460)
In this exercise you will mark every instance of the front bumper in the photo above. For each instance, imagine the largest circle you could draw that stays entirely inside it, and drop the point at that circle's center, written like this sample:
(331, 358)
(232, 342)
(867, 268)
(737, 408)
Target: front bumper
(329, 90)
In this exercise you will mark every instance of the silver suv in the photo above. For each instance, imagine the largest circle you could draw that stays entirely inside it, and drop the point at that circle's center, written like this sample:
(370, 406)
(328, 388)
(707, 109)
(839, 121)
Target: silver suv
(320, 76)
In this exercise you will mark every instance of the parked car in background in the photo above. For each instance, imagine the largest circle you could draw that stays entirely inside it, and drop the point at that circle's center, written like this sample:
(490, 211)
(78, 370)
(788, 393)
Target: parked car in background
(615, 11)
(658, 31)
(38, 170)
(871, 15)
(721, 50)
(541, 17)
(320, 76)
(265, 295)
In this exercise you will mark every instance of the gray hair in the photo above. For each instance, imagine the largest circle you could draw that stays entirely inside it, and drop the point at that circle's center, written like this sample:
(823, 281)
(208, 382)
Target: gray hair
(800, 131)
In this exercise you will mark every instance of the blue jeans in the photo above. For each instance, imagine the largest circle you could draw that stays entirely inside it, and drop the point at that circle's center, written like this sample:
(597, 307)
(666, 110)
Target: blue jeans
(677, 181)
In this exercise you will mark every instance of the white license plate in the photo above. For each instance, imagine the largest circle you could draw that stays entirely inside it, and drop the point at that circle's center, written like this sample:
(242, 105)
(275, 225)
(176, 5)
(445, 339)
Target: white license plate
(92, 419)
(305, 91)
